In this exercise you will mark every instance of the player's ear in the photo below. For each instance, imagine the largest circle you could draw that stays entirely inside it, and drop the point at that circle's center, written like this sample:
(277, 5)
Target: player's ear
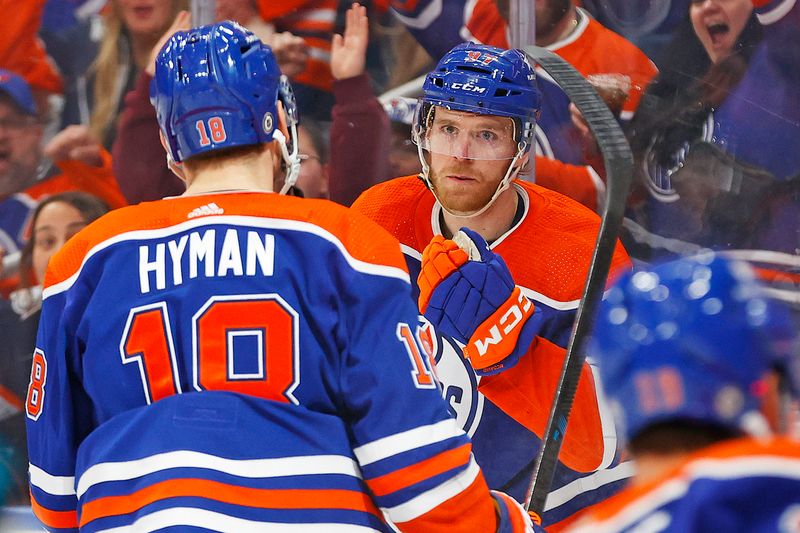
(174, 166)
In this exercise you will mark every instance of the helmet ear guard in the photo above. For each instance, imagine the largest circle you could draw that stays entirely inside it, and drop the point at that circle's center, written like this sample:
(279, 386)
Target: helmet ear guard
(290, 150)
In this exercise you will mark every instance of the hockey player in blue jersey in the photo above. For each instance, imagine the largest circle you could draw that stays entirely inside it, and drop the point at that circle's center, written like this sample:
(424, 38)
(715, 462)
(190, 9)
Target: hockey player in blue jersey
(237, 360)
(691, 352)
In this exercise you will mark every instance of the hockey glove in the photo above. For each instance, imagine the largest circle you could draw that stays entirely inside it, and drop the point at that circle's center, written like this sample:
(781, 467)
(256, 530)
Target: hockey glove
(471, 297)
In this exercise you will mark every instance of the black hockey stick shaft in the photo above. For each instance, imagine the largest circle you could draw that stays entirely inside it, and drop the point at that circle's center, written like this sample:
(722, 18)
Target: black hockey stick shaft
(619, 166)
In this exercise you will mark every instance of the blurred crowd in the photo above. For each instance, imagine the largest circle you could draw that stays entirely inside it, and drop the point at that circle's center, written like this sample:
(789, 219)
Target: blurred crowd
(706, 95)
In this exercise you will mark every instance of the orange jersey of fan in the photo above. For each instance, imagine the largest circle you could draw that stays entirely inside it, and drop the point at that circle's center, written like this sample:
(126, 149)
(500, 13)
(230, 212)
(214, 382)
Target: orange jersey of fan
(597, 53)
(548, 251)
(17, 209)
(591, 48)
(314, 21)
(22, 51)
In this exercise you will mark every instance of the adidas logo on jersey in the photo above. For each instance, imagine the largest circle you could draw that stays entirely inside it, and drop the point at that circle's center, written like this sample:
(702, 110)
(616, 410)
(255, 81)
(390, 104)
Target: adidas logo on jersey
(208, 209)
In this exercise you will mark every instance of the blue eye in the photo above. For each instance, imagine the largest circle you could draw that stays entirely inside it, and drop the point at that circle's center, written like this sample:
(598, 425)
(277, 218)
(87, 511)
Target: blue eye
(487, 136)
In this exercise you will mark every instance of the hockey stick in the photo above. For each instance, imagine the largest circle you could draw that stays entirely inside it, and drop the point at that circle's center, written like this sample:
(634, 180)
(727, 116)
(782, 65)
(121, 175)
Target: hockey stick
(618, 164)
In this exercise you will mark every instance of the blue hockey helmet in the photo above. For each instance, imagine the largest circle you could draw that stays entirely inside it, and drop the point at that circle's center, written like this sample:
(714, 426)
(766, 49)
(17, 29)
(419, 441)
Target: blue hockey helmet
(482, 80)
(486, 80)
(217, 87)
(691, 340)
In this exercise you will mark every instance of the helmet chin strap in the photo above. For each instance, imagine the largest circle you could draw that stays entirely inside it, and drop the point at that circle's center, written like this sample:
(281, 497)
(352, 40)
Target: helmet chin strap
(511, 173)
(292, 159)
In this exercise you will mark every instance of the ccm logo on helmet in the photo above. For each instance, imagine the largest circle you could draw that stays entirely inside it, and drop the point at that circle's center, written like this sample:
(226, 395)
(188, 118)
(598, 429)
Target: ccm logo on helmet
(469, 87)
(510, 320)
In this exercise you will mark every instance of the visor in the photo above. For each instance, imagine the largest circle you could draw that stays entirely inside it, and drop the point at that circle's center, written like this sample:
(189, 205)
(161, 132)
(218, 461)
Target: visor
(465, 133)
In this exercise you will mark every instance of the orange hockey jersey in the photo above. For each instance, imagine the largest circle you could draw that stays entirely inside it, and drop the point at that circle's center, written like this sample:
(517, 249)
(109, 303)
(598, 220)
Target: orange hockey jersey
(548, 253)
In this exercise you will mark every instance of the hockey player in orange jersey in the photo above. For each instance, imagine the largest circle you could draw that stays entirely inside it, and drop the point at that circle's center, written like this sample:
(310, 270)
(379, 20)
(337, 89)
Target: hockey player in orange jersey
(237, 360)
(503, 319)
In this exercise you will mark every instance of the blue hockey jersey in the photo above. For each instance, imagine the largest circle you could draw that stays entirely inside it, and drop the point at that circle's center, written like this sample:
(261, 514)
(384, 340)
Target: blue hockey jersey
(242, 362)
(748, 485)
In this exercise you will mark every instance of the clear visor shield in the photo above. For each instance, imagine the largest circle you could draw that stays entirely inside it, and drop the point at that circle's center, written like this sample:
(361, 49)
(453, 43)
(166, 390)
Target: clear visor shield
(465, 135)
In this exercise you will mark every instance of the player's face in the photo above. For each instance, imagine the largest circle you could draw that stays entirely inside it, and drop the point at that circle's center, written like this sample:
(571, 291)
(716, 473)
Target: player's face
(469, 156)
(146, 18)
(55, 224)
(20, 150)
(718, 24)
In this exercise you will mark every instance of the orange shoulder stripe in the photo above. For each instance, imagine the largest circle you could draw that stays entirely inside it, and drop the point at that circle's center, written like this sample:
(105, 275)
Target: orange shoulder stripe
(361, 238)
(433, 466)
(398, 205)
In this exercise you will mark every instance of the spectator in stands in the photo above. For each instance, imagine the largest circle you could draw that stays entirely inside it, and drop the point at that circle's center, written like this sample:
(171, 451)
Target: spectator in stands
(359, 133)
(22, 52)
(565, 162)
(27, 173)
(716, 138)
(312, 142)
(403, 155)
(101, 57)
(132, 28)
(649, 24)
(54, 221)
(314, 21)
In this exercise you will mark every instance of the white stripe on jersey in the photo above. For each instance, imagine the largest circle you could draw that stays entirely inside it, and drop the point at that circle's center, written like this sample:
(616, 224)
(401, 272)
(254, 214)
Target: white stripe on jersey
(241, 221)
(720, 469)
(203, 518)
(384, 447)
(775, 12)
(55, 485)
(422, 503)
(588, 483)
(425, 17)
(247, 468)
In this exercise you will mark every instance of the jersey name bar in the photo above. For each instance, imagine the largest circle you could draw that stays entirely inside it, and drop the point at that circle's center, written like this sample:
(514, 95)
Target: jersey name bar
(239, 255)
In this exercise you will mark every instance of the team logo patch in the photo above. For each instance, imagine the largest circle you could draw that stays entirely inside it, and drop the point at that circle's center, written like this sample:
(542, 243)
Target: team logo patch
(268, 123)
(459, 385)
(208, 209)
